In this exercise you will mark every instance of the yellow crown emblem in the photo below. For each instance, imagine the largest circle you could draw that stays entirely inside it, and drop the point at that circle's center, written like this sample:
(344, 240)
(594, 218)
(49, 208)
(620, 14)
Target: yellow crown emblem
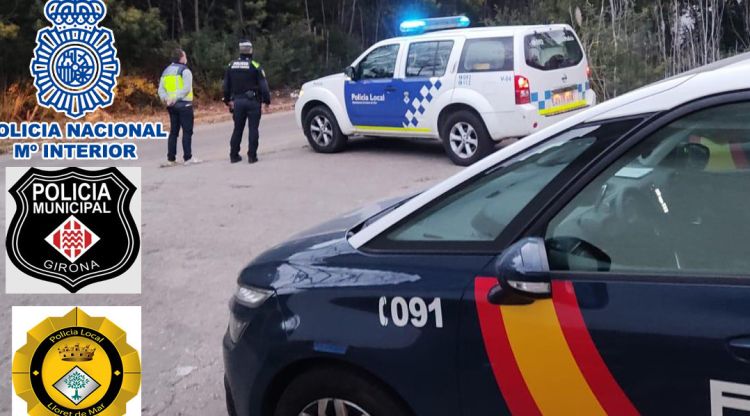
(76, 353)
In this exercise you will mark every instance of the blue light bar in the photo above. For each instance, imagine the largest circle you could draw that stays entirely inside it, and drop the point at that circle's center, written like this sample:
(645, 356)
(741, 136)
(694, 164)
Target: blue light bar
(413, 27)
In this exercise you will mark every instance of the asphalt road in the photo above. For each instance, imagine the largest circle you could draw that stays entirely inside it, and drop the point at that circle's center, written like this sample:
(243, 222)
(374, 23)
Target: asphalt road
(203, 223)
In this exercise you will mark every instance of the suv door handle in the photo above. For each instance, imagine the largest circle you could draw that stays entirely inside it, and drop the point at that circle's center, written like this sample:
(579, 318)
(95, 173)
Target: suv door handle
(740, 348)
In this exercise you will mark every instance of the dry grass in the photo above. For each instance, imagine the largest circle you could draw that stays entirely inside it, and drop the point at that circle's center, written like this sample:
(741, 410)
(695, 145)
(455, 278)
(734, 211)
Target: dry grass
(135, 102)
(18, 103)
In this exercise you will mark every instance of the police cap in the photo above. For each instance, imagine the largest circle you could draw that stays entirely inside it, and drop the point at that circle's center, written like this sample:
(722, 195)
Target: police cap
(246, 47)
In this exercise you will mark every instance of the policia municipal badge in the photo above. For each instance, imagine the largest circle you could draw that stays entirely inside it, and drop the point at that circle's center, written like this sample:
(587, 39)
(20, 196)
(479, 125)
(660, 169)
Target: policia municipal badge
(76, 365)
(72, 226)
(75, 65)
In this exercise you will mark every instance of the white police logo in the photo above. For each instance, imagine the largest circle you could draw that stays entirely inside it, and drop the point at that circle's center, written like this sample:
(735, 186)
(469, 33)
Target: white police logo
(75, 65)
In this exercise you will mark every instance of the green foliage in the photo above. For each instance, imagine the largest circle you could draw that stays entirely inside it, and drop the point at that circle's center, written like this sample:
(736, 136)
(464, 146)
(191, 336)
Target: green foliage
(255, 12)
(294, 56)
(18, 26)
(209, 52)
(139, 34)
(290, 56)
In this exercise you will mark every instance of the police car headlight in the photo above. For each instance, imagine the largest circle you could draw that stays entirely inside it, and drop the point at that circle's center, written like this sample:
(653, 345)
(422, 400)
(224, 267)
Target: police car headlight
(236, 328)
(252, 297)
(301, 93)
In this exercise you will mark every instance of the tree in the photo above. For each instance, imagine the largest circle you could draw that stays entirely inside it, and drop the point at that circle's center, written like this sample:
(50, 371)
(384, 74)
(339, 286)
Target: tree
(76, 380)
(139, 36)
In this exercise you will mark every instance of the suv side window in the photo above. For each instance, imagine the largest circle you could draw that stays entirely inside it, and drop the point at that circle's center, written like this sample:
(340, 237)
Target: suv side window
(379, 63)
(479, 211)
(488, 54)
(428, 59)
(677, 203)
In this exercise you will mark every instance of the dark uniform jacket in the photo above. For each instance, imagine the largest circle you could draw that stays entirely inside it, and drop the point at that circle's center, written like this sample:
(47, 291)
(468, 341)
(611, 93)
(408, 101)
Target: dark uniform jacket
(245, 78)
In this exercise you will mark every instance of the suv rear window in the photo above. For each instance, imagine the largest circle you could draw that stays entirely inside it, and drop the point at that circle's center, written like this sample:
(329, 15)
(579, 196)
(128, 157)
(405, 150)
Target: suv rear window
(489, 54)
(552, 50)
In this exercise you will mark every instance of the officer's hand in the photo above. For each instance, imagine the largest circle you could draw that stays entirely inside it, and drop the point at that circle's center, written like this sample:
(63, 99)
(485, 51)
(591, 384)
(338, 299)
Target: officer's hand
(170, 103)
(231, 105)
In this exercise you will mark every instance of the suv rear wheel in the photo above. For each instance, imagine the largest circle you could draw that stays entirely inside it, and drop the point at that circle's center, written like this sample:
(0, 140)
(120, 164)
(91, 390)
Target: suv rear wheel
(465, 138)
(323, 132)
(337, 392)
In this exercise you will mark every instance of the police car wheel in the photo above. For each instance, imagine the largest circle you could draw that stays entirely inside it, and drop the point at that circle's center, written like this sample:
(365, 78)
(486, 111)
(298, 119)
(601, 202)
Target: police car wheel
(465, 138)
(337, 392)
(323, 132)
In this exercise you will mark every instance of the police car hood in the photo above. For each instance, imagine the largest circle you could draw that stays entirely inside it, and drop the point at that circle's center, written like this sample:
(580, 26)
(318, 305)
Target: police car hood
(296, 262)
(333, 77)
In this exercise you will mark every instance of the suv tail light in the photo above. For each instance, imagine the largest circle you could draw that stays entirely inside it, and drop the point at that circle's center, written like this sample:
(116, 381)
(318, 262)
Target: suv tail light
(523, 92)
(588, 72)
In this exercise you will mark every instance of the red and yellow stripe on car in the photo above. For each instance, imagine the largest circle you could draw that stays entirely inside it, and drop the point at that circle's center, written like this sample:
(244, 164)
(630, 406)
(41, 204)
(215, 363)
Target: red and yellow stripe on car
(543, 358)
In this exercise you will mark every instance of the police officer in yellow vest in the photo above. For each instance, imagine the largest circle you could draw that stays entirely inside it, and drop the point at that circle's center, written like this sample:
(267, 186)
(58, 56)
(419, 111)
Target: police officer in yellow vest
(245, 88)
(725, 155)
(176, 91)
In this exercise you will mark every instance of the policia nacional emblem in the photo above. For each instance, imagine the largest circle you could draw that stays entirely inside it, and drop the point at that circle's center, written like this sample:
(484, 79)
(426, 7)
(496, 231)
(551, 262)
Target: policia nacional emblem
(72, 226)
(75, 65)
(76, 365)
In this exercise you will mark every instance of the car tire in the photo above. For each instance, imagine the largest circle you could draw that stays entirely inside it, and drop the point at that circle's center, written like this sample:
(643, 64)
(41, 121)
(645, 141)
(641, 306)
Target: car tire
(465, 138)
(332, 387)
(323, 132)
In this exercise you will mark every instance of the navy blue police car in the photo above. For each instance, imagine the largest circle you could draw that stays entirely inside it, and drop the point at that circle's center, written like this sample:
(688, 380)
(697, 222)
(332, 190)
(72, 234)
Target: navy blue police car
(599, 266)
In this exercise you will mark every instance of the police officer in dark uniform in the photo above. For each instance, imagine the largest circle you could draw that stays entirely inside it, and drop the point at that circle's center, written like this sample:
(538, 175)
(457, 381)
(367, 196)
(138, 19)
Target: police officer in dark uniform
(245, 88)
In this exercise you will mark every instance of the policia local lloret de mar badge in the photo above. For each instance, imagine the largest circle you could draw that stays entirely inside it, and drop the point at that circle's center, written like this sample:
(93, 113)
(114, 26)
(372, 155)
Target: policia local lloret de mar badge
(76, 365)
(72, 227)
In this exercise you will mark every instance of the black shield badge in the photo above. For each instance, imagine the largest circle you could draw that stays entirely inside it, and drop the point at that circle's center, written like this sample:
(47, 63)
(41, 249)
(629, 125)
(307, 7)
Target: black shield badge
(73, 226)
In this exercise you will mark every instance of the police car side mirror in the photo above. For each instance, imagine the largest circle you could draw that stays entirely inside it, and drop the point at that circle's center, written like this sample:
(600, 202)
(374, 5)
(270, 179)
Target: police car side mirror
(523, 274)
(350, 72)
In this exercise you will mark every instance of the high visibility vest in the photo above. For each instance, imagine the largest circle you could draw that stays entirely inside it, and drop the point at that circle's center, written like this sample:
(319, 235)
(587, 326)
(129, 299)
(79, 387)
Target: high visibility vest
(723, 157)
(257, 66)
(173, 82)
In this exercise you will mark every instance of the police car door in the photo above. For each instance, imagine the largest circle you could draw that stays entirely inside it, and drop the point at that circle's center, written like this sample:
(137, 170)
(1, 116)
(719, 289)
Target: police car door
(424, 84)
(635, 295)
(485, 75)
(373, 101)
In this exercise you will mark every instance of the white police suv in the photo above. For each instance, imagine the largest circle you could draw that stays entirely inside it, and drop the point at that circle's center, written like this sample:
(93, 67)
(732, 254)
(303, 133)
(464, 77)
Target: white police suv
(469, 87)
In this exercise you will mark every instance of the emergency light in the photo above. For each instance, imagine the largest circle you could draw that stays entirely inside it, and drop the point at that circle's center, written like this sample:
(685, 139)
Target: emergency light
(414, 27)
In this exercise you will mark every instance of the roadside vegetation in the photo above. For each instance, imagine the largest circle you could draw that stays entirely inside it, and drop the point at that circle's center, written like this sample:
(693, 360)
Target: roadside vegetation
(629, 42)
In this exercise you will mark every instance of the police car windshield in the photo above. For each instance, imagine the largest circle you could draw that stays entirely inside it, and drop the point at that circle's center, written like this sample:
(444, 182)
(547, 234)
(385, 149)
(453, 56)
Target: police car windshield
(552, 50)
(480, 210)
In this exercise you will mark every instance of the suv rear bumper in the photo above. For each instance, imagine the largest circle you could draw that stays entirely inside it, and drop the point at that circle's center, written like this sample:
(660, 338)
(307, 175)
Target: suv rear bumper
(527, 119)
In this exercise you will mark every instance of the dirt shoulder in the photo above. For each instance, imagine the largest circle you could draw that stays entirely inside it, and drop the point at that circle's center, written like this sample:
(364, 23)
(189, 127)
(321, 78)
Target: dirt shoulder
(208, 112)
